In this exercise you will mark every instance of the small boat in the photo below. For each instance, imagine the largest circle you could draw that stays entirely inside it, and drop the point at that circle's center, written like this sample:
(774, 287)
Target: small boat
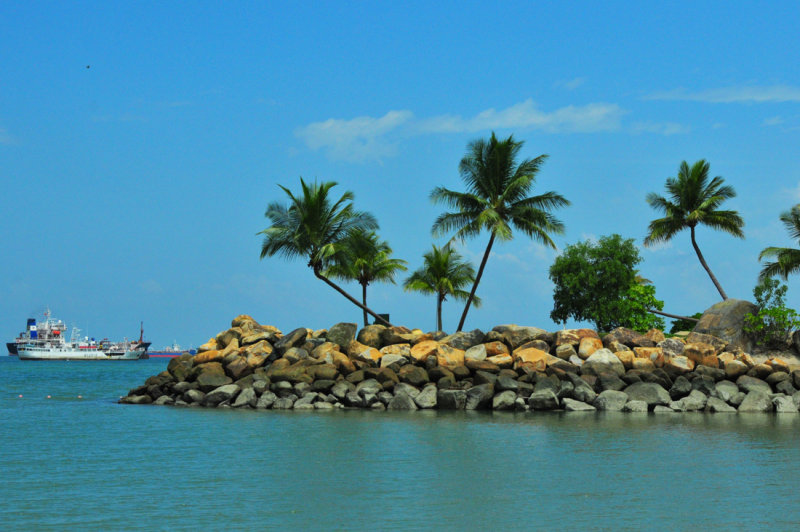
(46, 341)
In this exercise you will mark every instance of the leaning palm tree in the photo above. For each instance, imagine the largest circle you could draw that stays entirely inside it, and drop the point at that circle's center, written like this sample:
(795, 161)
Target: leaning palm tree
(693, 200)
(496, 199)
(364, 258)
(788, 259)
(444, 273)
(313, 226)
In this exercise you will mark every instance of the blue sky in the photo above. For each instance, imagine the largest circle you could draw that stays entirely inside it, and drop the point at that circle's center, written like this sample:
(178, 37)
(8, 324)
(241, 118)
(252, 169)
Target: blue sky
(140, 144)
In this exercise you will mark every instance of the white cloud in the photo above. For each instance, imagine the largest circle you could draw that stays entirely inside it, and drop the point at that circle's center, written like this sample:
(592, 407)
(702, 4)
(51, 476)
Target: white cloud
(366, 137)
(747, 94)
(589, 118)
(666, 128)
(355, 140)
(571, 84)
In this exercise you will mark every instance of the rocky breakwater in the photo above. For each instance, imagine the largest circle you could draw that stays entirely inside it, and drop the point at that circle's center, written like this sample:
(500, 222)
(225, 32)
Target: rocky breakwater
(515, 368)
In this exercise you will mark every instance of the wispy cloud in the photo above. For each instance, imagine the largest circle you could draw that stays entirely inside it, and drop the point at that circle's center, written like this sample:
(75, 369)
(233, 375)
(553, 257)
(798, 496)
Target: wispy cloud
(741, 94)
(571, 84)
(665, 128)
(151, 286)
(366, 137)
(589, 118)
(357, 139)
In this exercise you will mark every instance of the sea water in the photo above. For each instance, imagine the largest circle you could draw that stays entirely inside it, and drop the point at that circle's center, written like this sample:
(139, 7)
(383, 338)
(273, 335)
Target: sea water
(78, 460)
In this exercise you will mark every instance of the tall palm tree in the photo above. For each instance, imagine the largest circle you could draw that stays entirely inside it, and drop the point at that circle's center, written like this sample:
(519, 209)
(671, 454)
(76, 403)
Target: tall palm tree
(692, 200)
(313, 226)
(788, 259)
(364, 258)
(444, 273)
(496, 199)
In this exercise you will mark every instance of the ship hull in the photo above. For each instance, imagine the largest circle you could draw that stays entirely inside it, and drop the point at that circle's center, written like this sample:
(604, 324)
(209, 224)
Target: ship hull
(12, 348)
(67, 353)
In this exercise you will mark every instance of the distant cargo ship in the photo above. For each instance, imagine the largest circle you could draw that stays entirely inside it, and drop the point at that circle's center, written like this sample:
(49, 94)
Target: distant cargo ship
(46, 341)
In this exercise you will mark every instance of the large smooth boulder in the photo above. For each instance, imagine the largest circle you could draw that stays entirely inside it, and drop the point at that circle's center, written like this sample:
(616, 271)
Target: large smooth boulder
(480, 397)
(749, 384)
(611, 400)
(464, 340)
(571, 405)
(505, 400)
(296, 338)
(516, 335)
(627, 337)
(650, 392)
(451, 399)
(427, 397)
(716, 405)
(401, 401)
(370, 335)
(602, 361)
(756, 401)
(725, 319)
(211, 375)
(223, 393)
(543, 399)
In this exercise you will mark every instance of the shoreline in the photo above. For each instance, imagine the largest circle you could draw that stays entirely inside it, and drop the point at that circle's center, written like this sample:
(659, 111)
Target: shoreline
(509, 368)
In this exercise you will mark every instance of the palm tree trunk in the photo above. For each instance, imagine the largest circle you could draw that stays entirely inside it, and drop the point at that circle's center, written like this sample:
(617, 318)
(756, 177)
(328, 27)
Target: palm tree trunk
(674, 316)
(439, 299)
(475, 285)
(364, 300)
(353, 300)
(703, 262)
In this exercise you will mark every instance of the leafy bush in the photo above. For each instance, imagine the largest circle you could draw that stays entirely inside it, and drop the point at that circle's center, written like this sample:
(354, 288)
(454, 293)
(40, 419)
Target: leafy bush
(685, 325)
(596, 281)
(773, 323)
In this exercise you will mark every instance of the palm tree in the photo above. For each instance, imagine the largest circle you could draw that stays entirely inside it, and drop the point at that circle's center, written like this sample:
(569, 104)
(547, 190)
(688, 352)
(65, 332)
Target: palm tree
(497, 199)
(788, 259)
(444, 273)
(364, 258)
(693, 200)
(313, 226)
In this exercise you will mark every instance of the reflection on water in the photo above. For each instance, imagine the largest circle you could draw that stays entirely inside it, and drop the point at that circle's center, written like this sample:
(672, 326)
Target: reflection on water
(171, 468)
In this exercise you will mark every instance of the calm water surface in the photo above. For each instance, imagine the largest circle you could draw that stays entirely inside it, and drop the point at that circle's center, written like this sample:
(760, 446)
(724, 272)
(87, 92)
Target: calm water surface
(91, 464)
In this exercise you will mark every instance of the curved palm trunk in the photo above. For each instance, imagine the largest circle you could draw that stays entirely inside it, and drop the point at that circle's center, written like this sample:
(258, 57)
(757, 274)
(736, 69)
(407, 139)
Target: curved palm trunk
(674, 316)
(475, 285)
(353, 300)
(703, 262)
(364, 300)
(439, 299)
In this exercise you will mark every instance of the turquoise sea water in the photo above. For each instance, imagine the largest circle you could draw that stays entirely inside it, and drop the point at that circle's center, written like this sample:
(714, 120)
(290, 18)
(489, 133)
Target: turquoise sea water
(91, 464)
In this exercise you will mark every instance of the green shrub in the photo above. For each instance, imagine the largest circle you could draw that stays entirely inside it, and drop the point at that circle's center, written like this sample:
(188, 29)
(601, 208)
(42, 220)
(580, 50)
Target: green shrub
(774, 321)
(685, 325)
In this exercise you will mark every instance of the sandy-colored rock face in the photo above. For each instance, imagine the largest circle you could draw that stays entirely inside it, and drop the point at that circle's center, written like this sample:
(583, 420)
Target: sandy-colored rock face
(449, 357)
(422, 350)
(589, 345)
(535, 357)
(725, 319)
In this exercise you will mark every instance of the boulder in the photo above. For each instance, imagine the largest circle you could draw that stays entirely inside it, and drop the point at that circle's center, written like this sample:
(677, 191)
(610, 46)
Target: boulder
(587, 346)
(342, 334)
(427, 398)
(695, 401)
(210, 375)
(725, 319)
(671, 347)
(370, 335)
(635, 406)
(535, 357)
(476, 353)
(651, 393)
(735, 368)
(756, 401)
(220, 394)
(296, 338)
(697, 352)
(516, 336)
(401, 401)
(571, 405)
(573, 336)
(566, 352)
(656, 335)
(716, 405)
(602, 361)
(413, 375)
(506, 401)
(783, 404)
(464, 340)
(627, 337)
(451, 399)
(422, 350)
(678, 365)
(750, 384)
(681, 387)
(480, 397)
(543, 399)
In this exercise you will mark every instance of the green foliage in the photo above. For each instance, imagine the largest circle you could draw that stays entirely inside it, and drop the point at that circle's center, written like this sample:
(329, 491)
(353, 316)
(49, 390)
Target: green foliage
(787, 260)
(597, 281)
(685, 325)
(774, 321)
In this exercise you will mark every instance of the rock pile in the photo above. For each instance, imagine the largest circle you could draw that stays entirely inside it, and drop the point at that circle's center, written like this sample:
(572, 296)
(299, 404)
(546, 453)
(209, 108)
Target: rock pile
(508, 368)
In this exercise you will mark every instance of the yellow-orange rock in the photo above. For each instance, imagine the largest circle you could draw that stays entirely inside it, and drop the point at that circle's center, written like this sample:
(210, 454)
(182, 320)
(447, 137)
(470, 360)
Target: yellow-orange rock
(712, 361)
(496, 348)
(655, 335)
(226, 337)
(449, 357)
(679, 364)
(734, 369)
(502, 361)
(261, 348)
(746, 359)
(535, 358)
(211, 345)
(644, 364)
(697, 351)
(574, 336)
(589, 345)
(244, 322)
(397, 349)
(255, 361)
(422, 350)
(342, 362)
(208, 356)
(626, 357)
(646, 352)
(778, 364)
(725, 357)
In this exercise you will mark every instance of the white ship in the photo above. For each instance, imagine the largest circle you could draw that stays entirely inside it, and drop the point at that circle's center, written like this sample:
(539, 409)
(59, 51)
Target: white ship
(47, 342)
